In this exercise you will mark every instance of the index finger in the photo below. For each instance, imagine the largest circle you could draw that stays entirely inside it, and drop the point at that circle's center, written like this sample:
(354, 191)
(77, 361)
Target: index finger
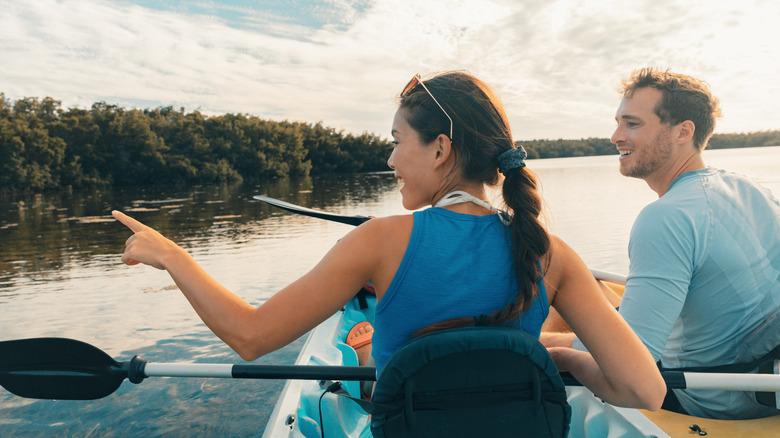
(129, 222)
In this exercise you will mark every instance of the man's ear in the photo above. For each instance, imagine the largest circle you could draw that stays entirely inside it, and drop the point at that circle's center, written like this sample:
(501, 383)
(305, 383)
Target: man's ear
(443, 150)
(685, 131)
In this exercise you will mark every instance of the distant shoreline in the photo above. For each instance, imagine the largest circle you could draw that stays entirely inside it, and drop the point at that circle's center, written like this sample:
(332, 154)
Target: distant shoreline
(583, 147)
(46, 147)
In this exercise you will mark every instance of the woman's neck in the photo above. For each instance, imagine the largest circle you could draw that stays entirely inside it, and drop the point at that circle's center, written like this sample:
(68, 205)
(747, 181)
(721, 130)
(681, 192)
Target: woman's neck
(466, 201)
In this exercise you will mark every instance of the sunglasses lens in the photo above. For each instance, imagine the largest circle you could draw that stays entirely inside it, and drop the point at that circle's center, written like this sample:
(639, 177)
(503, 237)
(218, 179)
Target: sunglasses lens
(410, 86)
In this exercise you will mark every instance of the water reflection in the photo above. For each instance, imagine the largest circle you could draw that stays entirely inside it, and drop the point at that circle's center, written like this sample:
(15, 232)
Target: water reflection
(43, 235)
(60, 275)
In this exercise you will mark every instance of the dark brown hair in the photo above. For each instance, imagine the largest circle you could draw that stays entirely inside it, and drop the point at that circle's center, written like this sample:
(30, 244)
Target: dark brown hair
(684, 98)
(480, 134)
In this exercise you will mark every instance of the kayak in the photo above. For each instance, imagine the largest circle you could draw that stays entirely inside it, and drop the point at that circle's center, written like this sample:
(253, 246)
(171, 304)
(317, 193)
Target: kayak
(67, 369)
(303, 404)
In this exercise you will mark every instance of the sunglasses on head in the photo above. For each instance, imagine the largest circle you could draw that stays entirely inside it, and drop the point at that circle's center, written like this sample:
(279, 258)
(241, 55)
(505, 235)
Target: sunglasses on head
(418, 80)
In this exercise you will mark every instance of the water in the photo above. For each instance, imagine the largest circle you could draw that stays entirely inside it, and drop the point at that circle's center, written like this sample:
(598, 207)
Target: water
(60, 275)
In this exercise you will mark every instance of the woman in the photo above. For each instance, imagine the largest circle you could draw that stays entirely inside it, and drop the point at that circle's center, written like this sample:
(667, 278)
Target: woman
(460, 263)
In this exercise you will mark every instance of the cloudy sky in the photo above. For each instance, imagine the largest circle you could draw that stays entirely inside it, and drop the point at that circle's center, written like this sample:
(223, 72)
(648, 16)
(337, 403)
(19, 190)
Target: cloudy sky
(555, 63)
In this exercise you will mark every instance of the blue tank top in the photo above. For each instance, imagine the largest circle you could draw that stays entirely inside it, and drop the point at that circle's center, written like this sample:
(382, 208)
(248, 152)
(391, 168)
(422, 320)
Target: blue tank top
(456, 265)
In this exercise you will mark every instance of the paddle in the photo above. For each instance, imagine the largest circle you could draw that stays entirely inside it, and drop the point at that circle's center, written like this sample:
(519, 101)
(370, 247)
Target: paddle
(67, 369)
(357, 220)
(349, 220)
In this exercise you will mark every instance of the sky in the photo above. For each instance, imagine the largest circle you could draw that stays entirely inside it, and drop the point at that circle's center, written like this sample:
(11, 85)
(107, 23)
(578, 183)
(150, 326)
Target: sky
(556, 64)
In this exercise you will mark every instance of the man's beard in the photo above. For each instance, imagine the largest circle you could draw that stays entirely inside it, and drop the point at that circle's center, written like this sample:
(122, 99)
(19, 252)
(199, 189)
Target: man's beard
(652, 158)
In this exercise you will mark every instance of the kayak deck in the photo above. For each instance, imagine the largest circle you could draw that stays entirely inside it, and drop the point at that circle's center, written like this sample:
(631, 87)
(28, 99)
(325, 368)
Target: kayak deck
(297, 412)
(678, 425)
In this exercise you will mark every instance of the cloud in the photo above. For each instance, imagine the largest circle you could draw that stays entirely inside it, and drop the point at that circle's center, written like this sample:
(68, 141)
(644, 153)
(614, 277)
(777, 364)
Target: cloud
(556, 64)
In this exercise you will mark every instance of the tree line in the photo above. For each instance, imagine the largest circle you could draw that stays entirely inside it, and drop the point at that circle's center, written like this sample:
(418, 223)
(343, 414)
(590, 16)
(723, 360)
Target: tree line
(43, 146)
(602, 146)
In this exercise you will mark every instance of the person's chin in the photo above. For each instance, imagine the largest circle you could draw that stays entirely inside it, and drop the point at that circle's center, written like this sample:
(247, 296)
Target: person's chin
(409, 203)
(626, 167)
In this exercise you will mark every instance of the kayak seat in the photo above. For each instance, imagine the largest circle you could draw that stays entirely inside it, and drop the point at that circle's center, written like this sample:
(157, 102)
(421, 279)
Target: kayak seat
(468, 382)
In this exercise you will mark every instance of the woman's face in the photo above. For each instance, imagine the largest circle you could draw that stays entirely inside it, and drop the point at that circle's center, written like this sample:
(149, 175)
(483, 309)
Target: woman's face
(412, 161)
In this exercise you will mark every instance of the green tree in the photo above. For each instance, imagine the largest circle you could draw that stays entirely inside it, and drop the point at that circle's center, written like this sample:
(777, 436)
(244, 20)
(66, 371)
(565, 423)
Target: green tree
(11, 149)
(81, 134)
(31, 157)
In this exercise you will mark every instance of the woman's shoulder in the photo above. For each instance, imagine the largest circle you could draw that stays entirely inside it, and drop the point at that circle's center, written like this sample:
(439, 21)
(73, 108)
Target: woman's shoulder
(564, 264)
(559, 249)
(388, 223)
(381, 243)
(383, 229)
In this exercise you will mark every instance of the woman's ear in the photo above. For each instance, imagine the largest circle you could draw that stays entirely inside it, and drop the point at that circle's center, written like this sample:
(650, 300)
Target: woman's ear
(443, 150)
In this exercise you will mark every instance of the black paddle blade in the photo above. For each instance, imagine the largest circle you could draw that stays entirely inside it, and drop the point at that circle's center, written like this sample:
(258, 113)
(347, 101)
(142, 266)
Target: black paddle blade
(349, 220)
(57, 368)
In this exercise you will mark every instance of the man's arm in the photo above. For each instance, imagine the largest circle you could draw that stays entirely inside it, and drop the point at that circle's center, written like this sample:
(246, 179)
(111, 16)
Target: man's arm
(661, 250)
(659, 274)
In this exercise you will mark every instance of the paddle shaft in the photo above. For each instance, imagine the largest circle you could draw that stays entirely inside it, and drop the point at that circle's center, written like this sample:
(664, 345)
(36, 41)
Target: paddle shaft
(250, 371)
(728, 381)
(674, 379)
(608, 276)
(709, 381)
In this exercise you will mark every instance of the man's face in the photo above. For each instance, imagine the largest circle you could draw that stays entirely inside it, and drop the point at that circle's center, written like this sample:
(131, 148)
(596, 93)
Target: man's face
(644, 143)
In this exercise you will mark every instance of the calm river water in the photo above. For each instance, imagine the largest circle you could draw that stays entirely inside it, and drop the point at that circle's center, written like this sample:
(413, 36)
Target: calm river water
(60, 275)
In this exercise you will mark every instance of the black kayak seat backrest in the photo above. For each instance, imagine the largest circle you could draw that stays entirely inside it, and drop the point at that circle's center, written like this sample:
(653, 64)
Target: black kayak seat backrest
(471, 382)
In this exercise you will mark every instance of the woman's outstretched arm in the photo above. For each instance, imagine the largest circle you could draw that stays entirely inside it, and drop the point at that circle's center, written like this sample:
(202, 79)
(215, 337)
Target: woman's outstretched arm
(254, 331)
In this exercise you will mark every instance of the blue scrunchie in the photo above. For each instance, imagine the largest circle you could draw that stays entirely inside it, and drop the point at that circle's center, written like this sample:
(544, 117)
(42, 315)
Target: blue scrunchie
(511, 159)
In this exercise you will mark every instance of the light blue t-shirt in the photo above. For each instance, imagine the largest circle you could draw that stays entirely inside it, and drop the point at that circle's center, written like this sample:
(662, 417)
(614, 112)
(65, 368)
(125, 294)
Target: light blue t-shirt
(704, 273)
(456, 265)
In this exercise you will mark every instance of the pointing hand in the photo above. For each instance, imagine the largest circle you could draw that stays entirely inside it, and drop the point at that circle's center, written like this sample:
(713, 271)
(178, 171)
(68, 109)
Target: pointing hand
(146, 245)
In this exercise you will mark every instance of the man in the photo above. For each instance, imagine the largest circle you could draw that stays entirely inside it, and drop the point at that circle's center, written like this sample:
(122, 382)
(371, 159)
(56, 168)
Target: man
(704, 269)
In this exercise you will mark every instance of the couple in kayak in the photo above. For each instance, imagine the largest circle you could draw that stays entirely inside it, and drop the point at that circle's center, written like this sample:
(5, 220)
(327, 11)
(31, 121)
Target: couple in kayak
(703, 288)
(464, 262)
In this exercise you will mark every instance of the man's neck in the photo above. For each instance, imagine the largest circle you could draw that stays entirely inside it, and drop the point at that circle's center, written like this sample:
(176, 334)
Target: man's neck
(661, 183)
